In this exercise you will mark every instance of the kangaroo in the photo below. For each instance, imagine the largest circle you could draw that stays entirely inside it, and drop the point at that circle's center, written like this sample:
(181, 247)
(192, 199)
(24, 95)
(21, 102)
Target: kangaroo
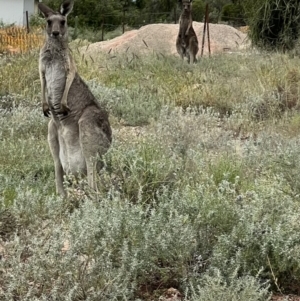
(187, 42)
(79, 132)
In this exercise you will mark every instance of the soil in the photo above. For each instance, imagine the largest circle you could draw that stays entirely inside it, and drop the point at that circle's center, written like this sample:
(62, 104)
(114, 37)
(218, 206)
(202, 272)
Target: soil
(161, 38)
(285, 298)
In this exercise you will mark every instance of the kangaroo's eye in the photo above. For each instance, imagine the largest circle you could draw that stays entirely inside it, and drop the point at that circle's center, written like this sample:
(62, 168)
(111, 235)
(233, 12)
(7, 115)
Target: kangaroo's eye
(49, 22)
(63, 22)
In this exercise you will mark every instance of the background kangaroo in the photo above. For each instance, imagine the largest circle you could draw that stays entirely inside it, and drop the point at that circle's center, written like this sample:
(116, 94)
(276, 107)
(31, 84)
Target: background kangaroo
(79, 132)
(187, 42)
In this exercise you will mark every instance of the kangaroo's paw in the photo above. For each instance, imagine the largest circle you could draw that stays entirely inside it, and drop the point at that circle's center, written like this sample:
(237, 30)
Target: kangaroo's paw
(64, 109)
(46, 110)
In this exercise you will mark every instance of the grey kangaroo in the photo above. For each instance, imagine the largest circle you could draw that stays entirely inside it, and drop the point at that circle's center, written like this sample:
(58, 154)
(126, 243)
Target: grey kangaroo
(79, 132)
(187, 42)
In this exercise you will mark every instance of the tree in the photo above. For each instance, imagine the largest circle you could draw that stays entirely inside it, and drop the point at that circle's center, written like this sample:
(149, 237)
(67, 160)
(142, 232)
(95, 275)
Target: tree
(198, 10)
(216, 7)
(274, 24)
(92, 13)
(233, 13)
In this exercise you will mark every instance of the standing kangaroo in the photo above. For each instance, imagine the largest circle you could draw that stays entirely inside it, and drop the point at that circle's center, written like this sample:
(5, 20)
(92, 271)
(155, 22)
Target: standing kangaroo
(79, 132)
(187, 42)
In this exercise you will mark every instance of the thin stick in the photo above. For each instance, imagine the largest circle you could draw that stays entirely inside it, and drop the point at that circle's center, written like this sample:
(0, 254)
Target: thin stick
(274, 278)
(208, 36)
(204, 30)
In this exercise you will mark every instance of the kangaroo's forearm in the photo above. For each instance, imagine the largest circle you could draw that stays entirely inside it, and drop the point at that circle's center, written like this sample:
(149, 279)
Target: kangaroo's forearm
(188, 28)
(71, 71)
(69, 81)
(43, 87)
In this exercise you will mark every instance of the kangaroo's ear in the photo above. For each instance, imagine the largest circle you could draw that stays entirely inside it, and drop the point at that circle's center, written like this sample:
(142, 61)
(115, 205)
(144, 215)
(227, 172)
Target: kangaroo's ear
(66, 7)
(45, 10)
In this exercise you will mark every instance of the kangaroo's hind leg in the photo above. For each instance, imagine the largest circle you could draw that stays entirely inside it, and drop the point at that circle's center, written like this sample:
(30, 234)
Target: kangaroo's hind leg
(193, 49)
(54, 148)
(180, 47)
(95, 140)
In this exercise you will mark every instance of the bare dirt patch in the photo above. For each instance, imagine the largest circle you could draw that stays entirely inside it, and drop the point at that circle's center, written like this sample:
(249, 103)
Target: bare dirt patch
(285, 298)
(161, 38)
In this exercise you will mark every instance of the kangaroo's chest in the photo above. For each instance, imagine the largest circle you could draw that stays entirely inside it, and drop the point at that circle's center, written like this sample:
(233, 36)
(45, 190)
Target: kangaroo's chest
(55, 75)
(185, 21)
(70, 152)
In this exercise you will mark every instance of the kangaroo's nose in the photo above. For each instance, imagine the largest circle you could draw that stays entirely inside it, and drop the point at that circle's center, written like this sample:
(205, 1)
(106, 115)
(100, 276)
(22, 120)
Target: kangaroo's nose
(55, 33)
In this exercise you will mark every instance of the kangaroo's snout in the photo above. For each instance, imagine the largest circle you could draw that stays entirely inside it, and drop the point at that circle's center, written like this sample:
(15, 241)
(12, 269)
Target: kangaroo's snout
(55, 33)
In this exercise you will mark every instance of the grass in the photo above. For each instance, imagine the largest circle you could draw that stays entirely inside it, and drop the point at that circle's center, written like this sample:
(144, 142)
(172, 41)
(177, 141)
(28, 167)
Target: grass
(200, 189)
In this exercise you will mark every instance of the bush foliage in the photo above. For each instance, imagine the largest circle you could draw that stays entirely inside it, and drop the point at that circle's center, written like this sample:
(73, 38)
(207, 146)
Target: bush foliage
(197, 192)
(275, 24)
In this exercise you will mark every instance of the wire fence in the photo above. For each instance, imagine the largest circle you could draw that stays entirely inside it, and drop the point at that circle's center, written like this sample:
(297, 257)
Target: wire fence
(16, 39)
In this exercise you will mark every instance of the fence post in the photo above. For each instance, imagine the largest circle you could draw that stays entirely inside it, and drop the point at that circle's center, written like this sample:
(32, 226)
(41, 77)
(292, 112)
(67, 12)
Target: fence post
(203, 36)
(204, 31)
(175, 17)
(123, 21)
(208, 36)
(76, 28)
(102, 29)
(27, 22)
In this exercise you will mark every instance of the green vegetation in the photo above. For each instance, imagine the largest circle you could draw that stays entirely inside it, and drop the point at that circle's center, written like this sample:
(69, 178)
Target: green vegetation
(200, 189)
(274, 24)
(234, 14)
(109, 15)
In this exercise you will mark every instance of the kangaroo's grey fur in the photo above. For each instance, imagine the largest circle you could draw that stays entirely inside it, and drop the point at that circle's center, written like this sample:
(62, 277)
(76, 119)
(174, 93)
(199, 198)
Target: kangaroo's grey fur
(79, 132)
(187, 42)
